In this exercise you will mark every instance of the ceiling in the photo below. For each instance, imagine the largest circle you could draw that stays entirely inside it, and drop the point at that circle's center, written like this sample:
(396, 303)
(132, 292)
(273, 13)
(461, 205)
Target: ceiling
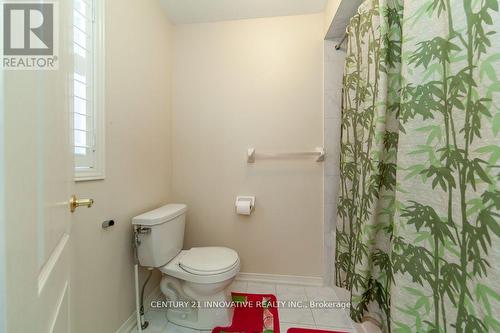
(198, 11)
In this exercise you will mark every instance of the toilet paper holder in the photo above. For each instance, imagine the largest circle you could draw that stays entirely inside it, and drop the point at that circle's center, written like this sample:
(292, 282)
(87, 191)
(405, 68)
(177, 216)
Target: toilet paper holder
(251, 199)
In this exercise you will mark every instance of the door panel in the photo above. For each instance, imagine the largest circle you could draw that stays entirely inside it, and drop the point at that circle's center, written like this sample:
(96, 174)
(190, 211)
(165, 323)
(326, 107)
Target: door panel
(38, 184)
(60, 324)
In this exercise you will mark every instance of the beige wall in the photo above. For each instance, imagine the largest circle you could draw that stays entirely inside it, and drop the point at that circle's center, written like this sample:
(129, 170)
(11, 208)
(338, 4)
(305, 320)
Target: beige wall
(251, 83)
(331, 9)
(138, 50)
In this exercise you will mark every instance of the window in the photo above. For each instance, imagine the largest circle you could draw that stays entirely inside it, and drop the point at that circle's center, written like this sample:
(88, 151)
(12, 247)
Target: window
(88, 89)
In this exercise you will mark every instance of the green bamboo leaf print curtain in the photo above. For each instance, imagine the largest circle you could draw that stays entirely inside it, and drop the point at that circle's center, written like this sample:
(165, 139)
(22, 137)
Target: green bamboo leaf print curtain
(368, 158)
(419, 204)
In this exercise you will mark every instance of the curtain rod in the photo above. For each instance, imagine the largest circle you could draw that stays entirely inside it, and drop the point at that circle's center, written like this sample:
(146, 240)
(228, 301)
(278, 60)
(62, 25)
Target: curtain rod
(339, 45)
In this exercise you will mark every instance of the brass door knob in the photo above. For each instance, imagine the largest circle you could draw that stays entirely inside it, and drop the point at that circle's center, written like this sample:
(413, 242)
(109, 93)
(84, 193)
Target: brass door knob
(74, 203)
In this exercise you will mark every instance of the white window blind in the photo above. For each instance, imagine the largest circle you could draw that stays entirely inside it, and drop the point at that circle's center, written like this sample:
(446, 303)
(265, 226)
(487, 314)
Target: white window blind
(87, 90)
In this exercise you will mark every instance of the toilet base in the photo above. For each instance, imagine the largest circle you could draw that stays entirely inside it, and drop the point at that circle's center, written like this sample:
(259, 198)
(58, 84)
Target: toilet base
(202, 306)
(201, 318)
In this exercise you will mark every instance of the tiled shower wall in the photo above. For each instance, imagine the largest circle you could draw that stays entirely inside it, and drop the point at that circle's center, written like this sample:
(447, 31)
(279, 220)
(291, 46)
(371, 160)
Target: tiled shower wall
(334, 68)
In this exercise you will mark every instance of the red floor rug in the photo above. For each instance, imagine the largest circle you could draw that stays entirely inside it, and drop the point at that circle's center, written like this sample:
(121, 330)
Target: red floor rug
(307, 330)
(253, 313)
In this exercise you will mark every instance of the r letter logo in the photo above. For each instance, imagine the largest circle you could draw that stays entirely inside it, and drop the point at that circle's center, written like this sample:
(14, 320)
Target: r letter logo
(29, 35)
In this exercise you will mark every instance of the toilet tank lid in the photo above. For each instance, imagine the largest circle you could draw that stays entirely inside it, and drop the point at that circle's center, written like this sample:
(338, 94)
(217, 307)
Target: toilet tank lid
(160, 215)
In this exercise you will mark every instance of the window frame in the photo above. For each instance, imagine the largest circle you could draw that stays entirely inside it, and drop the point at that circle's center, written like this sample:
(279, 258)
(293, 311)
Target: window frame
(98, 171)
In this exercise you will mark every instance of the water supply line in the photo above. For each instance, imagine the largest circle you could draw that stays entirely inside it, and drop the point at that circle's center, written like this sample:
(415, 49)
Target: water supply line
(137, 302)
(142, 324)
(145, 323)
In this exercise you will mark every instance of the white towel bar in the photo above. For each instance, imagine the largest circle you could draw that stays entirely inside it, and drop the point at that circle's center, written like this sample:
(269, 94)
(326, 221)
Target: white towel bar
(319, 153)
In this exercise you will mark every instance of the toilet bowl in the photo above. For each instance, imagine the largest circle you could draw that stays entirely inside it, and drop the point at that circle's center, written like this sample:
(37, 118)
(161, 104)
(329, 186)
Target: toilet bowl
(197, 280)
(194, 281)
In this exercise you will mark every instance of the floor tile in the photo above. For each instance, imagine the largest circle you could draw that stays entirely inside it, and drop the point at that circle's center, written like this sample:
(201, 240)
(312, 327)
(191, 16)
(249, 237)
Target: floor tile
(149, 329)
(321, 294)
(261, 288)
(336, 329)
(286, 292)
(343, 294)
(332, 318)
(297, 316)
(172, 328)
(157, 322)
(285, 326)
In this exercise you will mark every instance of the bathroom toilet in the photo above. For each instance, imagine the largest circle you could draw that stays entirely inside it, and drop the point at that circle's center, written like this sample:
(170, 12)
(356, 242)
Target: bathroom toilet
(195, 280)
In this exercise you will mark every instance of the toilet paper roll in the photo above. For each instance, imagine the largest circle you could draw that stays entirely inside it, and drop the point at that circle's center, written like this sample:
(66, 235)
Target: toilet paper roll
(244, 207)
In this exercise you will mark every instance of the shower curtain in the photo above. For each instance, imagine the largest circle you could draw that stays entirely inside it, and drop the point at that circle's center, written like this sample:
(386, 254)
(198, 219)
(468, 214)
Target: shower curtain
(417, 238)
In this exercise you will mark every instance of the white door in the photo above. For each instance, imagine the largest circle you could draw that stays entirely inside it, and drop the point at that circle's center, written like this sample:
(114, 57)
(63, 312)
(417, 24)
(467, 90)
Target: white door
(38, 182)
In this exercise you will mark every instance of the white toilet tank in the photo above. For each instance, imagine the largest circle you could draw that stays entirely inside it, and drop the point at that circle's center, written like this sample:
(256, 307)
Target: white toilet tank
(162, 234)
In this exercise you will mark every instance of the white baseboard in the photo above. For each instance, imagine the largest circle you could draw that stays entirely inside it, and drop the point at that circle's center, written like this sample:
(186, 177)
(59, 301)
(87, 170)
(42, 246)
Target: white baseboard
(281, 279)
(128, 325)
(131, 322)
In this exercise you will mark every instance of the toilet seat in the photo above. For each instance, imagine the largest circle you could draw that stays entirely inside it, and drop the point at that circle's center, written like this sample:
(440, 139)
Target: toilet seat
(208, 260)
(213, 272)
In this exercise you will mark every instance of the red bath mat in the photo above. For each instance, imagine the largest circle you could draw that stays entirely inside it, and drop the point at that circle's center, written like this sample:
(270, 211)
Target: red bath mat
(306, 330)
(253, 313)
